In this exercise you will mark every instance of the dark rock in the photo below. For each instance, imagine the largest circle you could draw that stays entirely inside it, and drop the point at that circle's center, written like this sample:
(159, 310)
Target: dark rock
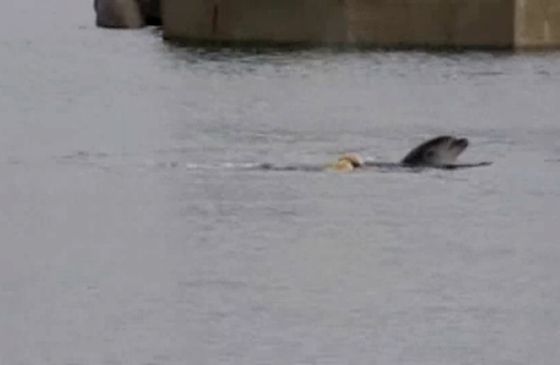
(151, 11)
(127, 13)
(118, 14)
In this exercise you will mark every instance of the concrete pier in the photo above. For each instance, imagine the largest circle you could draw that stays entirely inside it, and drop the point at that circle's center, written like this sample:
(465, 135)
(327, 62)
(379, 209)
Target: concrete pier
(537, 24)
(388, 23)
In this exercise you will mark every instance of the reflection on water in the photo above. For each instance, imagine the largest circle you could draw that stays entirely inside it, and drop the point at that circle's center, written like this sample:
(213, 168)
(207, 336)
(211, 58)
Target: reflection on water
(135, 230)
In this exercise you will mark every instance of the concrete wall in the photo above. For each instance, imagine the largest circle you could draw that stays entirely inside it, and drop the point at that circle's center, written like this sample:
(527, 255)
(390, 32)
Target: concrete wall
(255, 20)
(282, 21)
(537, 23)
(431, 22)
(462, 23)
(186, 20)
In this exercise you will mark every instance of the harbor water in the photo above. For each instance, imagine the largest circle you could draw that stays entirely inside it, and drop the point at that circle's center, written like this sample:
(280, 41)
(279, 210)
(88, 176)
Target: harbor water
(134, 230)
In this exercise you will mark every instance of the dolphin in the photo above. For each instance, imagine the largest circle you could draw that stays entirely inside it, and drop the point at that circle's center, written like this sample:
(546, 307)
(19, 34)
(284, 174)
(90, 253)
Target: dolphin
(440, 152)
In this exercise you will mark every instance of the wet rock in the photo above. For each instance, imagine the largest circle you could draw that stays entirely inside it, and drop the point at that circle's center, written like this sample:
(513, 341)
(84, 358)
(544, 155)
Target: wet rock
(118, 14)
(127, 13)
(151, 11)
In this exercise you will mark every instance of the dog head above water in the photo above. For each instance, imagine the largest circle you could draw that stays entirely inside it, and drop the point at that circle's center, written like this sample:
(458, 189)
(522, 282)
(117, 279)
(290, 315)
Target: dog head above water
(347, 162)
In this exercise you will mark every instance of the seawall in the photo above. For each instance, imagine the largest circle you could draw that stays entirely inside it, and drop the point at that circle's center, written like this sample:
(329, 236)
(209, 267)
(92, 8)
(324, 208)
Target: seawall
(387, 23)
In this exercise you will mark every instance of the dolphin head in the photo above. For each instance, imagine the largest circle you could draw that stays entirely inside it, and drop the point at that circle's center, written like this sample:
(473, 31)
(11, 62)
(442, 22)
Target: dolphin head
(438, 151)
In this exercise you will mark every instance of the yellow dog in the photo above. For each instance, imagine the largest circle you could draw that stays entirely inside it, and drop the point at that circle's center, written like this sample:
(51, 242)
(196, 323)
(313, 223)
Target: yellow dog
(347, 162)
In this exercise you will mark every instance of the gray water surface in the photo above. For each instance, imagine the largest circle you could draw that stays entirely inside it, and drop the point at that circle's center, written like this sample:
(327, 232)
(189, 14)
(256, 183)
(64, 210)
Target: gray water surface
(131, 231)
